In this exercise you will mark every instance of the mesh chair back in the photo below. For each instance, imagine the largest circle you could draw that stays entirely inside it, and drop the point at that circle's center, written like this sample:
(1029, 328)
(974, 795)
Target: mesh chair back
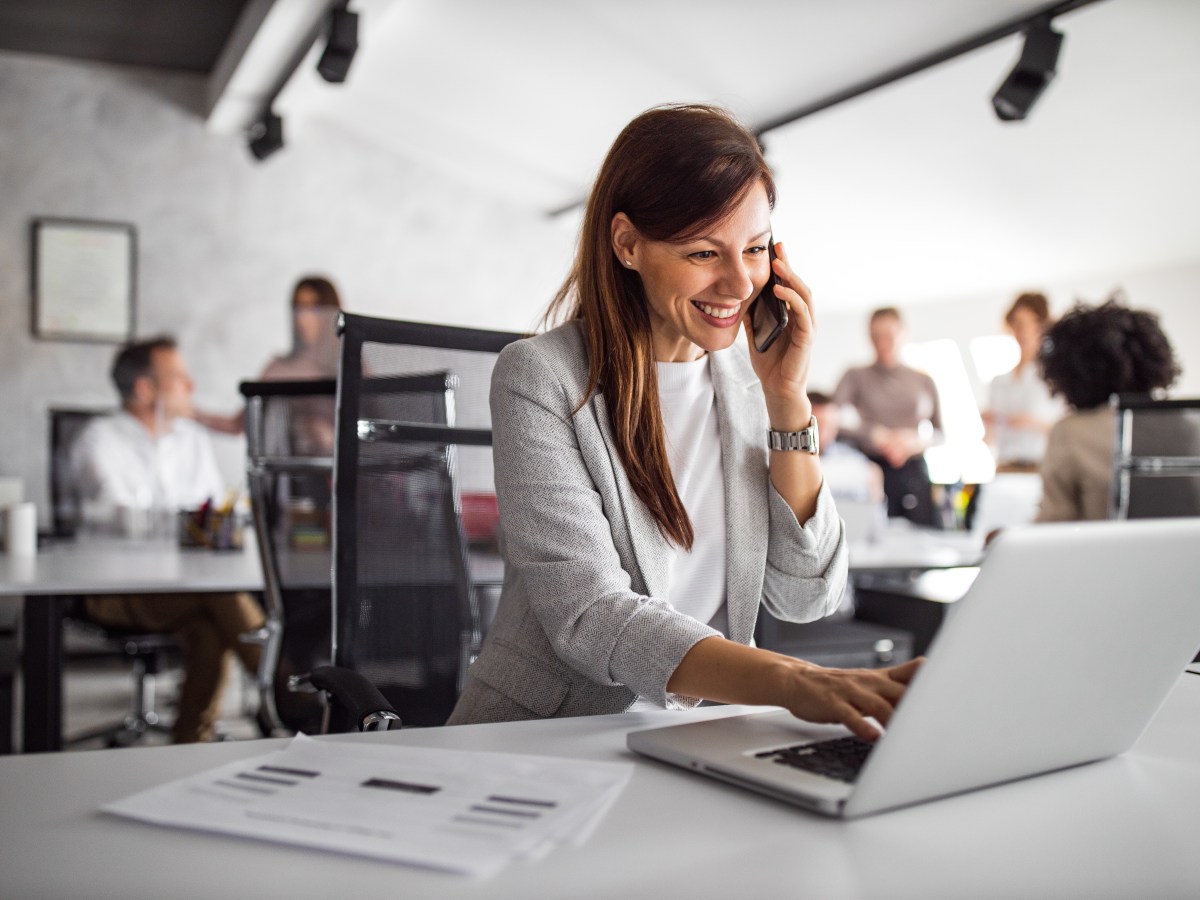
(65, 427)
(406, 616)
(289, 446)
(1157, 458)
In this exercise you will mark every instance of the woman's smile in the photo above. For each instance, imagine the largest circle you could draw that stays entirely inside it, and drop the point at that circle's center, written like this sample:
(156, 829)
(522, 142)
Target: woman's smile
(722, 316)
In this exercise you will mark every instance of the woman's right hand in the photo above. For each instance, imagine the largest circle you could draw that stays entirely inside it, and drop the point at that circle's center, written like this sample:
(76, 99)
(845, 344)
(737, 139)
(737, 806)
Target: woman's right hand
(842, 696)
(728, 672)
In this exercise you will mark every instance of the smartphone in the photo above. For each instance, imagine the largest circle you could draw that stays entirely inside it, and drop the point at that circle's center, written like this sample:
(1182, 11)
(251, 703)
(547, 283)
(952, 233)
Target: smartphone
(768, 314)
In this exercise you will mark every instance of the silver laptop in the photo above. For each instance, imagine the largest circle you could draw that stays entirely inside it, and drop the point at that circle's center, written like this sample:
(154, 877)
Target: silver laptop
(1059, 654)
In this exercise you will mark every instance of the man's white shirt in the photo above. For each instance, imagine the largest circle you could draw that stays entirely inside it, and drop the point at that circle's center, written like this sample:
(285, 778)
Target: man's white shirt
(117, 463)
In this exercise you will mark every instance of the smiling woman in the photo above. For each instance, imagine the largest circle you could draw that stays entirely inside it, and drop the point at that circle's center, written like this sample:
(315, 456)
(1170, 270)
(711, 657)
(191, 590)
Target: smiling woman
(647, 503)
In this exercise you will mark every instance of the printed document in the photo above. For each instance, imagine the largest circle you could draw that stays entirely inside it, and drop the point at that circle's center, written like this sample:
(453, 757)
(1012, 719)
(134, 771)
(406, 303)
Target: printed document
(460, 811)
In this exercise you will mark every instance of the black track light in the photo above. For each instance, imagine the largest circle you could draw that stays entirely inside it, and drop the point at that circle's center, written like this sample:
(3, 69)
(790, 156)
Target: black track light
(343, 42)
(266, 135)
(1032, 73)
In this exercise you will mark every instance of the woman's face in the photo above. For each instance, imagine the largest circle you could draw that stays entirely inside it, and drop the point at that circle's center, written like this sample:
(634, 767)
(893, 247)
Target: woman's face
(1027, 329)
(306, 308)
(699, 290)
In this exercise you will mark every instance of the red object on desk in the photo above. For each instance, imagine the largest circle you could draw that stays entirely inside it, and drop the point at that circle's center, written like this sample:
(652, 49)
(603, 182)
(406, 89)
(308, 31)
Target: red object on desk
(480, 518)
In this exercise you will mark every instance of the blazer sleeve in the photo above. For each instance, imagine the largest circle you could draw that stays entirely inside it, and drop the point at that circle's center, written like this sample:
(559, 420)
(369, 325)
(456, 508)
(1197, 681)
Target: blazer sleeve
(807, 565)
(558, 541)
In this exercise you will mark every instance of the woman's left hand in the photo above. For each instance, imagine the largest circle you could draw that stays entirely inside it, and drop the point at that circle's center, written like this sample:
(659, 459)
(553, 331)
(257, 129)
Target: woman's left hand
(783, 369)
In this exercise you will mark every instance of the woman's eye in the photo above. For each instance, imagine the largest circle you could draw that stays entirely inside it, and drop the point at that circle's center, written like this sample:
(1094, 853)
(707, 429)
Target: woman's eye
(704, 254)
(754, 251)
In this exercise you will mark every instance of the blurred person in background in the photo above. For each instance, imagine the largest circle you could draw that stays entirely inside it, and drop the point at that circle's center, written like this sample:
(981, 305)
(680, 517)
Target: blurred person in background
(1090, 354)
(314, 355)
(899, 419)
(1020, 408)
(847, 471)
(150, 461)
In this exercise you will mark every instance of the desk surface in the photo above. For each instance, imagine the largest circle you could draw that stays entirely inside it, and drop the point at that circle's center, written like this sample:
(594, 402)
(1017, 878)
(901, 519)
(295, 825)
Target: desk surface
(94, 566)
(904, 546)
(1123, 827)
(103, 566)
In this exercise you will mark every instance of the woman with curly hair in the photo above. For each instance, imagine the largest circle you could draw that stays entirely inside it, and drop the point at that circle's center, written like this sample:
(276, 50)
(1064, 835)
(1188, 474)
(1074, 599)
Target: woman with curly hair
(1090, 354)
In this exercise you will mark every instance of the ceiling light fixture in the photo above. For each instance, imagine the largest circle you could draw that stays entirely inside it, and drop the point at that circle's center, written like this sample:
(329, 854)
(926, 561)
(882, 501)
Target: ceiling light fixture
(265, 136)
(343, 42)
(1032, 74)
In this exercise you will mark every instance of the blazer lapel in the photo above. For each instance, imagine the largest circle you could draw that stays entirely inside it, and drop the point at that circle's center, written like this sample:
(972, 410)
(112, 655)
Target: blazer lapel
(650, 548)
(745, 475)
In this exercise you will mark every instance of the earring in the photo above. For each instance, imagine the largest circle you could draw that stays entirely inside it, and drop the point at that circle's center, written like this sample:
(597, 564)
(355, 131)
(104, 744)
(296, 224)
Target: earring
(629, 262)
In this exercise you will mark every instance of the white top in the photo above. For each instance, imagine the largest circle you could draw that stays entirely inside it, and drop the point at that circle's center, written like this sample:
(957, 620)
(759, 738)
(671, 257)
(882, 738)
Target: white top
(696, 579)
(117, 464)
(689, 411)
(1021, 391)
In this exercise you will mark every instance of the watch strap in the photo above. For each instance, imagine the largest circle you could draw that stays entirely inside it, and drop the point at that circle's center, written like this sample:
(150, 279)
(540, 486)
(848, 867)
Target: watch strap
(805, 440)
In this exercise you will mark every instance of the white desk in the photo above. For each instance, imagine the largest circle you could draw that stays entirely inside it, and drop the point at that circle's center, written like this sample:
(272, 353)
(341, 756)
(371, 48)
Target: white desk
(905, 546)
(1119, 828)
(115, 566)
(100, 566)
(112, 566)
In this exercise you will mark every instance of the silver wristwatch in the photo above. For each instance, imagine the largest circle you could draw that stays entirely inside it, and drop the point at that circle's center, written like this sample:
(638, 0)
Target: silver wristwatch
(806, 440)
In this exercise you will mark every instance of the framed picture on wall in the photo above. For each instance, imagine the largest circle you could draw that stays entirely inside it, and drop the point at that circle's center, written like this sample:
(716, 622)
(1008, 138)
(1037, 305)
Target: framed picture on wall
(83, 275)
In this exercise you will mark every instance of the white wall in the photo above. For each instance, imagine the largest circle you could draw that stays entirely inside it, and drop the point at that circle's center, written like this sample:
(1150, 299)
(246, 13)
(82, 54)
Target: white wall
(221, 239)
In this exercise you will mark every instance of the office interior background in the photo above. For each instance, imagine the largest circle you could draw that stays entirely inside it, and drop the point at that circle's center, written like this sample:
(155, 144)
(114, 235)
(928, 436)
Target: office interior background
(441, 181)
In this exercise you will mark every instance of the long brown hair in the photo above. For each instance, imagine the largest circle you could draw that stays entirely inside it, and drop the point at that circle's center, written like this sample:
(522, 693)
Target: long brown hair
(675, 171)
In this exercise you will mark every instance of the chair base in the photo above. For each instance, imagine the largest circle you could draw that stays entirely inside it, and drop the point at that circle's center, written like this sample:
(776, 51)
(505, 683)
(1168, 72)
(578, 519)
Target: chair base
(122, 734)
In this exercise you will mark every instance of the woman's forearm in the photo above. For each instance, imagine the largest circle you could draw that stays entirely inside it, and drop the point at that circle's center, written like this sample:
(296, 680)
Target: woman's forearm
(795, 474)
(727, 672)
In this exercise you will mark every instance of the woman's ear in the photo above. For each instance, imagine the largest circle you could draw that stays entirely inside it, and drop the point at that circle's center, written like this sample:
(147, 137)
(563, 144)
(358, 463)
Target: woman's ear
(625, 240)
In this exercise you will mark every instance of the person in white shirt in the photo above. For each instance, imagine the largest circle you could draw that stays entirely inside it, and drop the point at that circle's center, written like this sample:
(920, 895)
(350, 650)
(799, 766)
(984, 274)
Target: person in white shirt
(151, 459)
(1020, 410)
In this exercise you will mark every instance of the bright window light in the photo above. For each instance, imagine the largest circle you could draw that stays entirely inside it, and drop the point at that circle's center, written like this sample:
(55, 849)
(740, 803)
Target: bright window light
(963, 456)
(994, 355)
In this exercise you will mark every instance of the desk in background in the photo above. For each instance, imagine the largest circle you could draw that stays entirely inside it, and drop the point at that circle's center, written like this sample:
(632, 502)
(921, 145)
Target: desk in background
(910, 577)
(99, 567)
(111, 566)
(1123, 827)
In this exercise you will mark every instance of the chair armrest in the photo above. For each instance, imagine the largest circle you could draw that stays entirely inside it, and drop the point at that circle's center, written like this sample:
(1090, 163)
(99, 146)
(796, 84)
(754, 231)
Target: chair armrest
(366, 706)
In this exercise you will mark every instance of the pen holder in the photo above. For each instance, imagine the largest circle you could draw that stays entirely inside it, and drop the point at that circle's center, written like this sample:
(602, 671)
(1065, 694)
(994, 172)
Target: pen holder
(212, 529)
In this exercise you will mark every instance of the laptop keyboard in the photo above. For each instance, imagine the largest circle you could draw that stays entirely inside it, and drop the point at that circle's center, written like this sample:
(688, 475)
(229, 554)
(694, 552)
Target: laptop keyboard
(841, 758)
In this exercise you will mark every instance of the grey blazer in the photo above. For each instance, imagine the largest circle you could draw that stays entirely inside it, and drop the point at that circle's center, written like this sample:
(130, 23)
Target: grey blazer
(580, 628)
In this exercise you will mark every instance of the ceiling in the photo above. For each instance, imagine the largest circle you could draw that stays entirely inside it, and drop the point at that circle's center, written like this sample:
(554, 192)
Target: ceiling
(179, 36)
(911, 192)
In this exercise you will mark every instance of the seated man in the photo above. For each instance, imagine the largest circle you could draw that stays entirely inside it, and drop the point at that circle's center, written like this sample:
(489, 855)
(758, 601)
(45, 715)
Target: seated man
(146, 462)
(855, 482)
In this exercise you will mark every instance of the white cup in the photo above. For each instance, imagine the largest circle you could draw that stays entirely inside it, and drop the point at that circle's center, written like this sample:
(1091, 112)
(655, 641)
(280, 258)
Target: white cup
(20, 529)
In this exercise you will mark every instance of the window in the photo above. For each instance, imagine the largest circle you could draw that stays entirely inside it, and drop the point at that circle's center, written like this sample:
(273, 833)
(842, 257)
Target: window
(963, 456)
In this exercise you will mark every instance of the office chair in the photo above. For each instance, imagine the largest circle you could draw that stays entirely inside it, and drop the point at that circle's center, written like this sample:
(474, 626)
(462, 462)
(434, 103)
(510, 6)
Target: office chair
(1156, 457)
(147, 652)
(406, 616)
(289, 467)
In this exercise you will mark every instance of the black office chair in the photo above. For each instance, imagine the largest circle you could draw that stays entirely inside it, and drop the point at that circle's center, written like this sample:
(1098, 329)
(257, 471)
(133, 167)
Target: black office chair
(406, 616)
(289, 467)
(1156, 458)
(148, 653)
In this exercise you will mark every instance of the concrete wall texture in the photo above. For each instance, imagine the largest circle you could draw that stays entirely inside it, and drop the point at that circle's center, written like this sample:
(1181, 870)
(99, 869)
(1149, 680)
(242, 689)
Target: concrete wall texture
(222, 238)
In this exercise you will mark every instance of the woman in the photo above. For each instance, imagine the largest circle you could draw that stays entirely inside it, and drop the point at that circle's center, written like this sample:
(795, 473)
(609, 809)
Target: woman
(1089, 355)
(641, 520)
(1021, 410)
(314, 354)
